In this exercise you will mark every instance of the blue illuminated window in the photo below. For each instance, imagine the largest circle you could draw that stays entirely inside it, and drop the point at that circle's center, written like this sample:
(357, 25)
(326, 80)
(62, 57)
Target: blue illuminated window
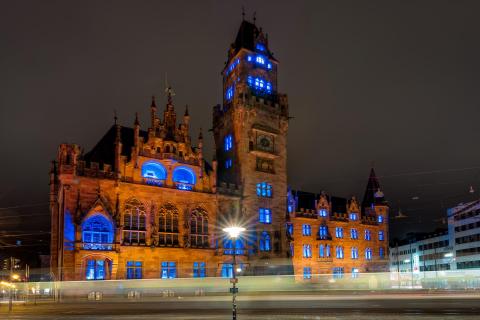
(368, 235)
(229, 93)
(381, 253)
(169, 270)
(368, 254)
(184, 178)
(307, 251)
(339, 232)
(269, 65)
(307, 230)
(381, 236)
(134, 270)
(380, 219)
(307, 273)
(228, 142)
(338, 272)
(265, 243)
(95, 269)
(290, 229)
(68, 232)
(355, 272)
(227, 270)
(339, 252)
(260, 59)
(322, 212)
(323, 232)
(324, 251)
(264, 190)
(354, 233)
(199, 270)
(265, 215)
(290, 208)
(228, 246)
(354, 253)
(97, 233)
(228, 163)
(353, 216)
(260, 47)
(154, 170)
(249, 58)
(259, 84)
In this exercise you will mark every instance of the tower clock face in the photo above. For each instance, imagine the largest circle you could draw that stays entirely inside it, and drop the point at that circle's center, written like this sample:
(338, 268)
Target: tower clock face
(265, 142)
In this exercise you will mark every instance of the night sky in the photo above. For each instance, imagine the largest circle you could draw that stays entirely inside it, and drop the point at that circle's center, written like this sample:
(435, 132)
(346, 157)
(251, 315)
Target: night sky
(389, 82)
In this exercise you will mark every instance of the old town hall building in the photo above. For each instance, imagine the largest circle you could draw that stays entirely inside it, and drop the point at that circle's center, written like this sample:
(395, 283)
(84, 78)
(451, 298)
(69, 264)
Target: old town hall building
(147, 204)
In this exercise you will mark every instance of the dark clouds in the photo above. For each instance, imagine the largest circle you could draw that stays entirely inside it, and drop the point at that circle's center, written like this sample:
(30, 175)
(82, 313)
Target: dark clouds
(393, 82)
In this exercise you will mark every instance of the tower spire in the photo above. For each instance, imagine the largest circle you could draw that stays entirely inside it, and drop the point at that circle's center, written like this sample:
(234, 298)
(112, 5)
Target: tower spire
(373, 194)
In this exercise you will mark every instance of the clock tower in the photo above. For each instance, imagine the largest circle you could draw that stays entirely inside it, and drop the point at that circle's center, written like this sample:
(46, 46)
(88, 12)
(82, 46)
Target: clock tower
(250, 131)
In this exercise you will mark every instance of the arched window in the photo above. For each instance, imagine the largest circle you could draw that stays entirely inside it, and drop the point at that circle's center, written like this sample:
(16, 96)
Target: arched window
(134, 225)
(199, 228)
(265, 243)
(184, 178)
(154, 170)
(168, 226)
(97, 233)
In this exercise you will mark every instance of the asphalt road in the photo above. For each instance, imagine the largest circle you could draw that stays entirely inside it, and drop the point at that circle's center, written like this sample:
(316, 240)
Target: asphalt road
(392, 306)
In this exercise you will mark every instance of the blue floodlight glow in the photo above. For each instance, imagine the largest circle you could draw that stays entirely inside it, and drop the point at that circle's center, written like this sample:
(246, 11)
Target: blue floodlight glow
(229, 94)
(260, 47)
(259, 84)
(184, 177)
(154, 170)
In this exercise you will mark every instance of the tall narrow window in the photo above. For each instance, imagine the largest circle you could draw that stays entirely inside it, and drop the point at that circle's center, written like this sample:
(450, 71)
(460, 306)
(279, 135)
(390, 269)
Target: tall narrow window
(289, 227)
(307, 251)
(134, 270)
(368, 235)
(353, 216)
(323, 232)
(228, 142)
(265, 243)
(339, 252)
(381, 253)
(380, 219)
(381, 236)
(199, 270)
(168, 270)
(322, 212)
(321, 251)
(327, 251)
(264, 190)
(199, 228)
(265, 215)
(168, 226)
(228, 163)
(227, 270)
(134, 226)
(306, 230)
(354, 253)
(307, 273)
(338, 272)
(354, 233)
(368, 254)
(355, 272)
(339, 232)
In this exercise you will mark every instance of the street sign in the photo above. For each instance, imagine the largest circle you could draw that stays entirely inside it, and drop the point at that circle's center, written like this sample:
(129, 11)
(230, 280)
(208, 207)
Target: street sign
(233, 290)
(234, 280)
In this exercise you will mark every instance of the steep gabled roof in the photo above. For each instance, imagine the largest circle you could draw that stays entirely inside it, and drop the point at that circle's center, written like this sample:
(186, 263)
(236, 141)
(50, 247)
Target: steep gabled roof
(373, 193)
(247, 36)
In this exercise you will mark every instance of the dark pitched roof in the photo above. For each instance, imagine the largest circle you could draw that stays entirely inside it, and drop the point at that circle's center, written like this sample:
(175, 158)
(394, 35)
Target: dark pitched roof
(246, 36)
(373, 194)
(306, 200)
(339, 205)
(104, 150)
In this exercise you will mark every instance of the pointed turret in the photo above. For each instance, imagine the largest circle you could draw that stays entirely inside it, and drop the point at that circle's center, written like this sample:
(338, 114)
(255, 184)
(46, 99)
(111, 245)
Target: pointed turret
(186, 117)
(169, 116)
(153, 112)
(118, 148)
(373, 194)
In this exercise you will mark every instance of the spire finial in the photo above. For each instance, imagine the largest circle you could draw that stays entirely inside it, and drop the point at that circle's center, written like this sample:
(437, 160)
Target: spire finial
(137, 123)
(200, 135)
(254, 17)
(153, 105)
(186, 111)
(243, 13)
(168, 90)
(115, 116)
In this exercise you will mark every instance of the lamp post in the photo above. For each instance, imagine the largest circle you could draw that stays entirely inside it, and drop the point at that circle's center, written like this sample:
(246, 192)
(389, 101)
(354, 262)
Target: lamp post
(234, 232)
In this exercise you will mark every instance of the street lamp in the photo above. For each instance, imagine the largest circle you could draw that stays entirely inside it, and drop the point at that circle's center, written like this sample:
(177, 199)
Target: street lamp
(234, 232)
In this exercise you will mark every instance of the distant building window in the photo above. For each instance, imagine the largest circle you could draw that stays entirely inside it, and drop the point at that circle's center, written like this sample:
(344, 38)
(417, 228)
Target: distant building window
(154, 170)
(199, 270)
(265, 243)
(355, 272)
(322, 212)
(227, 270)
(368, 235)
(354, 233)
(339, 252)
(264, 190)
(169, 270)
(338, 272)
(229, 93)
(228, 163)
(353, 216)
(368, 254)
(228, 142)
(307, 251)
(307, 273)
(380, 219)
(260, 47)
(339, 232)
(323, 232)
(134, 270)
(265, 215)
(306, 230)
(381, 236)
(354, 253)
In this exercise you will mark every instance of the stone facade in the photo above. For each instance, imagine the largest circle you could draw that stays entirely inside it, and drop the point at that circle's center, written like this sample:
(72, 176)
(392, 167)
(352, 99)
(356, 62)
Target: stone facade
(146, 204)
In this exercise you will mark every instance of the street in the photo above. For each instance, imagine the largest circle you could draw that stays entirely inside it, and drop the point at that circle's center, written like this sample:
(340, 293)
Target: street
(365, 306)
